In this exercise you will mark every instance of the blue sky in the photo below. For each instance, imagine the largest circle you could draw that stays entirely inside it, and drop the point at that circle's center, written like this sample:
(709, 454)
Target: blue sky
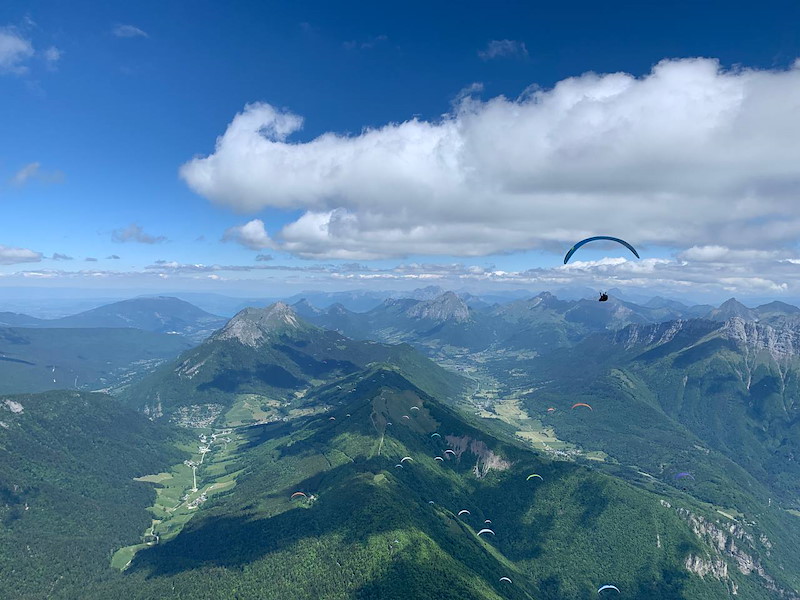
(102, 103)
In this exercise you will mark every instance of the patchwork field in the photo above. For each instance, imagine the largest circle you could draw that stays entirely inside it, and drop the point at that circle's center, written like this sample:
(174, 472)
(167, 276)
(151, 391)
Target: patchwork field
(177, 499)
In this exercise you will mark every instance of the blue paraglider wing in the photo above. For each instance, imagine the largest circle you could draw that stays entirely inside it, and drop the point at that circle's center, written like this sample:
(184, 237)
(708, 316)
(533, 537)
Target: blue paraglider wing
(595, 238)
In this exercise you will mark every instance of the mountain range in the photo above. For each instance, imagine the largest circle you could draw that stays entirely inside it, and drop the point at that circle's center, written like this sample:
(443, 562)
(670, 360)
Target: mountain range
(651, 447)
(272, 355)
(159, 314)
(538, 323)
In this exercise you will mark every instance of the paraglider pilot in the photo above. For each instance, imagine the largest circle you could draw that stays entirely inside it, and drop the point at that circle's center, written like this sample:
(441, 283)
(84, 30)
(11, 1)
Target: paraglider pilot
(603, 297)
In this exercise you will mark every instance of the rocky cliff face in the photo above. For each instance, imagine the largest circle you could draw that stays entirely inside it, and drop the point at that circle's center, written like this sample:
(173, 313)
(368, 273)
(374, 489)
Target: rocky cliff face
(780, 341)
(486, 459)
(732, 546)
(661, 333)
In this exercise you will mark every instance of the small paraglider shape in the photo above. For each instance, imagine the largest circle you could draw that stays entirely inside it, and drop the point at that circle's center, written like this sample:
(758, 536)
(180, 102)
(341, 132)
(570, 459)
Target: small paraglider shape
(577, 404)
(595, 238)
(332, 419)
(485, 530)
(439, 458)
(415, 408)
(406, 417)
(551, 410)
(448, 451)
(505, 579)
(298, 495)
(608, 587)
(405, 458)
(464, 511)
(388, 422)
(684, 475)
(488, 521)
(435, 435)
(532, 475)
(399, 465)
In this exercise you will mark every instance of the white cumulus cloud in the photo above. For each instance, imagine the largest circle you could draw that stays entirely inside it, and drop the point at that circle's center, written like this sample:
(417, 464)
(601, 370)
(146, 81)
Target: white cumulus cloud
(252, 235)
(688, 155)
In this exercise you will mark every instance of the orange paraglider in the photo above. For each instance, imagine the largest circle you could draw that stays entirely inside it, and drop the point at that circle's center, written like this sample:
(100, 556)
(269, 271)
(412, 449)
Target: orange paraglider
(577, 404)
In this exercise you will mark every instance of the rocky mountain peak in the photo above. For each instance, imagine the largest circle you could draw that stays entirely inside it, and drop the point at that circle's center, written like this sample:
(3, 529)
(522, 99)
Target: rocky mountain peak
(337, 309)
(446, 307)
(732, 308)
(778, 307)
(252, 325)
(304, 307)
(543, 300)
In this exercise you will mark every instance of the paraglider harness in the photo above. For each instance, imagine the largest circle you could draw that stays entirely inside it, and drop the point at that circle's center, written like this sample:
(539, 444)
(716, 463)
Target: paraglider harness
(603, 297)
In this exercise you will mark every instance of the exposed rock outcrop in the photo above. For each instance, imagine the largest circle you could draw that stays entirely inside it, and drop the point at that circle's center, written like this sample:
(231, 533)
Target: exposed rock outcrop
(730, 544)
(14, 407)
(486, 459)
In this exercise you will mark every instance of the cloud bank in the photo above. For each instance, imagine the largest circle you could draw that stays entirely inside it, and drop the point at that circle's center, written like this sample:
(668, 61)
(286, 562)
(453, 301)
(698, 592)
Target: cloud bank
(699, 274)
(688, 155)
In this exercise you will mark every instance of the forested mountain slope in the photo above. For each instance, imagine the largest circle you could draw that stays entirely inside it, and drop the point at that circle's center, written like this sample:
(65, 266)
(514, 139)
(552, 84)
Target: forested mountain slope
(40, 359)
(67, 494)
(330, 507)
